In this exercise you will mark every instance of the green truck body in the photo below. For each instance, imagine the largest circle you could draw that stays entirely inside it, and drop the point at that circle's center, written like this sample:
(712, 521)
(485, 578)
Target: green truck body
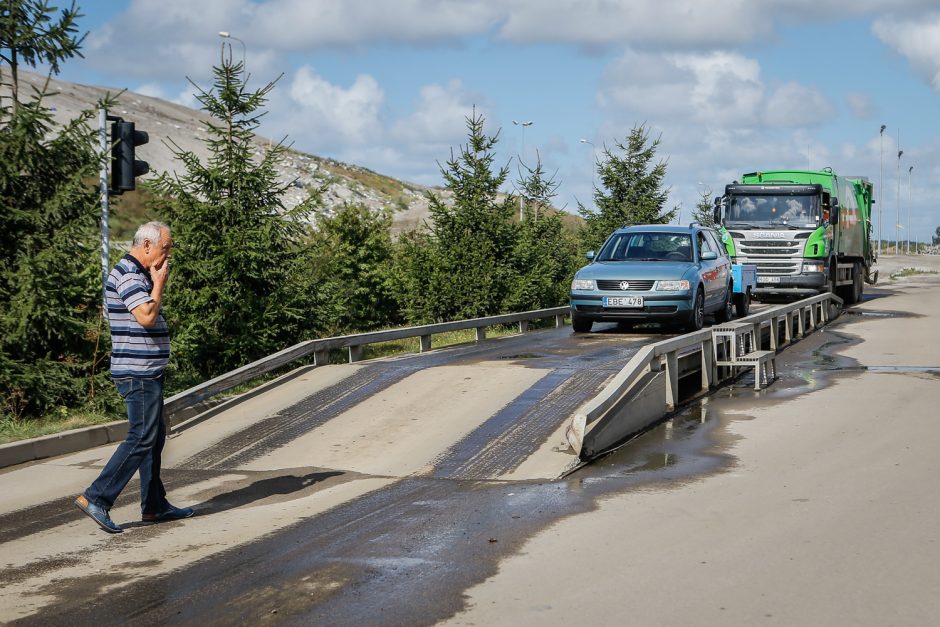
(807, 232)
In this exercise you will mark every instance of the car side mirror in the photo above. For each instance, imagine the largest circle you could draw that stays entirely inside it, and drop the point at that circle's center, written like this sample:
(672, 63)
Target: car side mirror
(590, 255)
(709, 255)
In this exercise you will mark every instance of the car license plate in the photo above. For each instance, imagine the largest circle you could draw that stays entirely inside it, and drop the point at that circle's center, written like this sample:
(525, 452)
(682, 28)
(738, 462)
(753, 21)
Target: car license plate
(768, 279)
(623, 301)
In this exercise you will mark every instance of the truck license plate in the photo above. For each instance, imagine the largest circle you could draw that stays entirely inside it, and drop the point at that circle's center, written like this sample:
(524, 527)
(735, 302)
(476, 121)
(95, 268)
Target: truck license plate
(768, 279)
(623, 301)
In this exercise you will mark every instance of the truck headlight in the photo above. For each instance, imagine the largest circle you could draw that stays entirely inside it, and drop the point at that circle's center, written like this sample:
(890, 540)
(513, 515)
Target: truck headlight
(813, 266)
(672, 286)
(582, 284)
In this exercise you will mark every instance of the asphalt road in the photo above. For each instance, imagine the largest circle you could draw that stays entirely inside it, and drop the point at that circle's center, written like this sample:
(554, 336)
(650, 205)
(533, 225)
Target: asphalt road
(422, 489)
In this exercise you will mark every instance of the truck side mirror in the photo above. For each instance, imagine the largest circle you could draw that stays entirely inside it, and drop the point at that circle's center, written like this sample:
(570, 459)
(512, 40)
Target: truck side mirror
(834, 211)
(716, 214)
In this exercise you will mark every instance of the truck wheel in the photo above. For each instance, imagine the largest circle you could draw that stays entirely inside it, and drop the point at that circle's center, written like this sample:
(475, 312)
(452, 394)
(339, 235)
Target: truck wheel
(726, 312)
(581, 325)
(697, 315)
(851, 294)
(742, 303)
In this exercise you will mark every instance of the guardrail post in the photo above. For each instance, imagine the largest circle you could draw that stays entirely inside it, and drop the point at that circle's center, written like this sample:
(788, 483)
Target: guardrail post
(708, 363)
(672, 380)
(424, 343)
(321, 358)
(788, 332)
(801, 326)
(355, 353)
(481, 333)
(559, 321)
(523, 326)
(774, 333)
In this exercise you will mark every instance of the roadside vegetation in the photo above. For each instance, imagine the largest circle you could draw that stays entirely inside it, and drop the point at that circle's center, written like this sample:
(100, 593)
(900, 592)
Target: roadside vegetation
(250, 276)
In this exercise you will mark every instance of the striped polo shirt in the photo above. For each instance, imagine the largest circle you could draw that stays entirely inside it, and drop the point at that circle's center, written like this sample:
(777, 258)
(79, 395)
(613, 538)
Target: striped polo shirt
(135, 350)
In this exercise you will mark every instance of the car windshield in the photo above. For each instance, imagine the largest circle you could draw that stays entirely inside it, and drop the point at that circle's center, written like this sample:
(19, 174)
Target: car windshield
(770, 210)
(647, 247)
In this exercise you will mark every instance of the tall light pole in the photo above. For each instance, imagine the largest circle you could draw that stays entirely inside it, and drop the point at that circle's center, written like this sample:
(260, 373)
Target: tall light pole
(897, 223)
(881, 185)
(522, 156)
(910, 198)
(227, 35)
(593, 167)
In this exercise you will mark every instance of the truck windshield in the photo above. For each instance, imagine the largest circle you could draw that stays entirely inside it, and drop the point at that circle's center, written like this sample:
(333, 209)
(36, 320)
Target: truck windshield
(769, 210)
(647, 247)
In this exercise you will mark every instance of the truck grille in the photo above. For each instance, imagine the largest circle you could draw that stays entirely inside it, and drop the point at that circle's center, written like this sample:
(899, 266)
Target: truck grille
(635, 285)
(772, 257)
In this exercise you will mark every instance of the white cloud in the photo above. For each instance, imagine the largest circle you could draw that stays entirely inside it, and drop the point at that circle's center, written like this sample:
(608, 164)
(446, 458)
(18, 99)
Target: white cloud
(916, 39)
(795, 105)
(306, 24)
(439, 116)
(860, 105)
(330, 114)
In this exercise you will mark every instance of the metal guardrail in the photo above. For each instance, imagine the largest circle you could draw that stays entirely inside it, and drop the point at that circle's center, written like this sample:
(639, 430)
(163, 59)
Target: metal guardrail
(797, 319)
(354, 343)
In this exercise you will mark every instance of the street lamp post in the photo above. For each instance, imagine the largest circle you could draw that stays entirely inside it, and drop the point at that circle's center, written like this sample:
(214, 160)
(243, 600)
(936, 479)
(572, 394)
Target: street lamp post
(881, 185)
(521, 157)
(897, 223)
(226, 35)
(910, 198)
(593, 167)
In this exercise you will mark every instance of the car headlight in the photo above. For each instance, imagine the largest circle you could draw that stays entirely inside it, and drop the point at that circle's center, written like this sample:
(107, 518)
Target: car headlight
(814, 266)
(672, 286)
(582, 284)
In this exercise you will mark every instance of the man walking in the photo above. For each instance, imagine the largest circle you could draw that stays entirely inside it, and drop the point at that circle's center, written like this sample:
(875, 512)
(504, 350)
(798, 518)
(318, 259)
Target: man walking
(140, 350)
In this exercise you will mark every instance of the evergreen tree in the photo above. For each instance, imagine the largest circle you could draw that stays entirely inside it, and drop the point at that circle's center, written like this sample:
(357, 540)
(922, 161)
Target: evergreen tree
(349, 259)
(704, 212)
(467, 271)
(544, 256)
(231, 297)
(50, 273)
(632, 191)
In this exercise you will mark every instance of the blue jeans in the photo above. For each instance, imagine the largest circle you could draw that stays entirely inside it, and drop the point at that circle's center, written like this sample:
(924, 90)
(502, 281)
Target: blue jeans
(141, 449)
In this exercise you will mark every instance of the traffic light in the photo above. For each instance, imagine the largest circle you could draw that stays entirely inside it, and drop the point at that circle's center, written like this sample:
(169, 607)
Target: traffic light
(124, 167)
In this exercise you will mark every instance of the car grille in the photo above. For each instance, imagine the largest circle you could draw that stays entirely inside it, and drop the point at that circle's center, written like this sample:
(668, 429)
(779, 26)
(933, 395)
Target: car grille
(613, 285)
(649, 309)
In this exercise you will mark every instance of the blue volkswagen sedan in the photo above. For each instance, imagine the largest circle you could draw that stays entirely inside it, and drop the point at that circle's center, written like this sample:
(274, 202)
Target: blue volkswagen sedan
(654, 273)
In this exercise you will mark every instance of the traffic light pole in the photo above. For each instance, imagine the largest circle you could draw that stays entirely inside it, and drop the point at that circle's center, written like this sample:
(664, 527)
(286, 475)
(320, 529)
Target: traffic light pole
(103, 180)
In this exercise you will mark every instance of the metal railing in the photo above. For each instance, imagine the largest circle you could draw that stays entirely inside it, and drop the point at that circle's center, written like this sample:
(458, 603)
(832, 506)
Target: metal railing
(783, 323)
(320, 349)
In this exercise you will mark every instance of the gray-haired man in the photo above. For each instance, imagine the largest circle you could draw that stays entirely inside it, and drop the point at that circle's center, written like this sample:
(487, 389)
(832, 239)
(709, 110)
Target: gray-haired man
(140, 350)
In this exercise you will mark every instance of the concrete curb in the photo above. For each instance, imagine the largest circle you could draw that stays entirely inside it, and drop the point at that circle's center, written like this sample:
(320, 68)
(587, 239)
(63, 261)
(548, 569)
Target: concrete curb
(57, 444)
(84, 438)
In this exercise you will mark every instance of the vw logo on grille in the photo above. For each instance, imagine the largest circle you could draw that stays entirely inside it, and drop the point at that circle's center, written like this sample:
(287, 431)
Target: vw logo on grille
(624, 285)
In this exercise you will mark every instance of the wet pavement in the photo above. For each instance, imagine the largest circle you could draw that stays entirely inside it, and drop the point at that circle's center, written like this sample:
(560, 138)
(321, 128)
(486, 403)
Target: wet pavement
(348, 547)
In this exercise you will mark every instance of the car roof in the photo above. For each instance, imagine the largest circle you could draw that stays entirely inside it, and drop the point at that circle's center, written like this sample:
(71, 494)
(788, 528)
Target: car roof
(663, 228)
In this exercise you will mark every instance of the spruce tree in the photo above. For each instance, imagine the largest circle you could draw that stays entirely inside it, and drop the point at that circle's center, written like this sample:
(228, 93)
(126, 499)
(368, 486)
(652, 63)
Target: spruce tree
(348, 265)
(544, 256)
(704, 212)
(50, 273)
(467, 270)
(231, 296)
(631, 189)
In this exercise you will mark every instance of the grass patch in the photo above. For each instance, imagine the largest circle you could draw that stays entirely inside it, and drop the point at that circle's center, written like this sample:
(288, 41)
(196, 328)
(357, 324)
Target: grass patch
(13, 429)
(903, 272)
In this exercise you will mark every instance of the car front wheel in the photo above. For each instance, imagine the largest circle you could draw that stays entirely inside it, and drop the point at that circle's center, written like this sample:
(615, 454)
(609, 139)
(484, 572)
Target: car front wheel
(581, 325)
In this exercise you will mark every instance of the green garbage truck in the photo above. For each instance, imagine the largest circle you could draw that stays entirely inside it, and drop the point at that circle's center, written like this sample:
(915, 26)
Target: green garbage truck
(807, 232)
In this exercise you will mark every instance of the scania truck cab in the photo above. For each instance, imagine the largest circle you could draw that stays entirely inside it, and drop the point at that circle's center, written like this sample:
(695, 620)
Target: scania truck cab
(807, 232)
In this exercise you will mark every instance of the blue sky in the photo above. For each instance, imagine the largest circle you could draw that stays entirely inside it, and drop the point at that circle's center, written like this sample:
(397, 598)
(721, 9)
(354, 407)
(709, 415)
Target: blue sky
(728, 85)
